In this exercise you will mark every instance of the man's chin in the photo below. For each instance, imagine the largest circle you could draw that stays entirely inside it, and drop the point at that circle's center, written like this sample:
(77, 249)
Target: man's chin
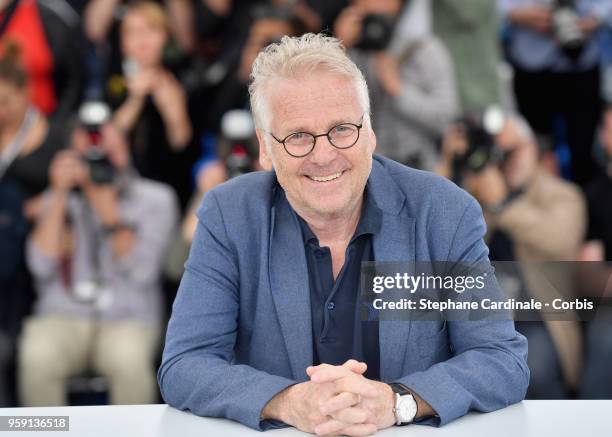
(328, 207)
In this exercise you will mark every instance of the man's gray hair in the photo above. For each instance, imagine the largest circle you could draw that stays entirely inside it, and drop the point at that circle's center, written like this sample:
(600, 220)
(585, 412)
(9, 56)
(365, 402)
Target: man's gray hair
(293, 57)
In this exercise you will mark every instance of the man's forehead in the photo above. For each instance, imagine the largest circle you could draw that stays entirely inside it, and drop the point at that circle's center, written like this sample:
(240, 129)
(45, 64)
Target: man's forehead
(313, 102)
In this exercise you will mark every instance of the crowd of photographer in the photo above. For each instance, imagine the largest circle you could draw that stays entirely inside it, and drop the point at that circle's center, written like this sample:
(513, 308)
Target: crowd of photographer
(103, 164)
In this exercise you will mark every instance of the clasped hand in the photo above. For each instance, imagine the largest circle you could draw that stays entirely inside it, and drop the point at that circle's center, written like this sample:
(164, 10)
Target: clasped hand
(339, 400)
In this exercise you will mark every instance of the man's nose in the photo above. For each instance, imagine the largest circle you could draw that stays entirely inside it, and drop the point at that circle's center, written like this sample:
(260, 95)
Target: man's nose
(324, 152)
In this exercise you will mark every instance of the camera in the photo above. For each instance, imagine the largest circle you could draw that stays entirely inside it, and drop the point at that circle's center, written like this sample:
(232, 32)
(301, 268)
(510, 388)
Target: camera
(480, 130)
(236, 144)
(92, 115)
(567, 29)
(376, 32)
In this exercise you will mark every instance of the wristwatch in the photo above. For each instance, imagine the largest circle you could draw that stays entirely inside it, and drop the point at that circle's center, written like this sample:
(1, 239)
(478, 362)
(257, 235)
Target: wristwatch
(406, 408)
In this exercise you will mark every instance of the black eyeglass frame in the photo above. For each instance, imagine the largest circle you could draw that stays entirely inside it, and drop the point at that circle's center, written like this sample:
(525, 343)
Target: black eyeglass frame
(314, 142)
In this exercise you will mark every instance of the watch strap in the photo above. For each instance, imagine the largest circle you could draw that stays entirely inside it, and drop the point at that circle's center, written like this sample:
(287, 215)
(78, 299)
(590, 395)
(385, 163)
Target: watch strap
(401, 390)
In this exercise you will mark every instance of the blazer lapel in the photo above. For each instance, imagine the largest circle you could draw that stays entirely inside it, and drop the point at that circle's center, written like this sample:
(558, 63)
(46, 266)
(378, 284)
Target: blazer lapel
(395, 242)
(290, 287)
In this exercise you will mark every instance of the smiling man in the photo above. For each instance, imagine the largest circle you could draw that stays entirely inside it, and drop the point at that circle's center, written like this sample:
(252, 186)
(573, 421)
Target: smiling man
(265, 327)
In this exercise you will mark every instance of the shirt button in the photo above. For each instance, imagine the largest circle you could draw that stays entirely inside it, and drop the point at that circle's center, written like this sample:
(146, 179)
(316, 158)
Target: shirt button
(319, 253)
(331, 306)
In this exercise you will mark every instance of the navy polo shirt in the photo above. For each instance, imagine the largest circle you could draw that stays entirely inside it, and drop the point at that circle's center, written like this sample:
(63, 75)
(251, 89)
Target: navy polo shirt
(337, 330)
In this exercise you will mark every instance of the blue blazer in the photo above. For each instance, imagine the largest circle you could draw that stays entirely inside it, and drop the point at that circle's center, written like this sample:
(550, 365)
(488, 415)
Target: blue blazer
(240, 330)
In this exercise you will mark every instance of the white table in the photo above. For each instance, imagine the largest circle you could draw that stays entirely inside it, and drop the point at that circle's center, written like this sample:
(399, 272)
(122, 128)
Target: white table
(527, 419)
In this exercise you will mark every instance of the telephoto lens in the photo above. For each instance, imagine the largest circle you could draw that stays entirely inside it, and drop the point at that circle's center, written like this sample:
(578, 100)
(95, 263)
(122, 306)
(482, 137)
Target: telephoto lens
(92, 115)
(236, 145)
(481, 129)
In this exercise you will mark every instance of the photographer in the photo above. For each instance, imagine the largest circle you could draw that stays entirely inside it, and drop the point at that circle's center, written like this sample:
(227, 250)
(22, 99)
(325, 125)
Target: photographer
(95, 253)
(150, 102)
(553, 47)
(412, 87)
(233, 153)
(531, 216)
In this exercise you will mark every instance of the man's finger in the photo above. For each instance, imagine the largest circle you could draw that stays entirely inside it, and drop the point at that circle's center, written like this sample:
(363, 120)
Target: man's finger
(360, 430)
(331, 427)
(336, 427)
(339, 402)
(356, 366)
(352, 415)
(355, 384)
(344, 380)
(310, 370)
(352, 365)
(327, 373)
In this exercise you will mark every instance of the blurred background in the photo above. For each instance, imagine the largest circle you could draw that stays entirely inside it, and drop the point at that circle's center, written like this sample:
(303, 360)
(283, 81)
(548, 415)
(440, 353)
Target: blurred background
(117, 116)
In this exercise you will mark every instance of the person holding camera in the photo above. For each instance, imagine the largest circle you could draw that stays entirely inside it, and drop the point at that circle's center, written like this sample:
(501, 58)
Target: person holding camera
(412, 86)
(149, 100)
(531, 216)
(554, 49)
(95, 254)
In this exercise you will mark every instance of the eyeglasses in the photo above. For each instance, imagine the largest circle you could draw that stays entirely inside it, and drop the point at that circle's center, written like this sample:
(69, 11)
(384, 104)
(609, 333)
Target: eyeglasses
(341, 136)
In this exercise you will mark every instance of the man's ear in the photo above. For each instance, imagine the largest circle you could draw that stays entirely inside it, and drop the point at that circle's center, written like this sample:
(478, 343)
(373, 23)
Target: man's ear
(372, 136)
(264, 157)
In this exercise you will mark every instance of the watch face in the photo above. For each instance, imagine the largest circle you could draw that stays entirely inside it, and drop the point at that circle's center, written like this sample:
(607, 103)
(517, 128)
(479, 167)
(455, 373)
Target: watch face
(406, 409)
